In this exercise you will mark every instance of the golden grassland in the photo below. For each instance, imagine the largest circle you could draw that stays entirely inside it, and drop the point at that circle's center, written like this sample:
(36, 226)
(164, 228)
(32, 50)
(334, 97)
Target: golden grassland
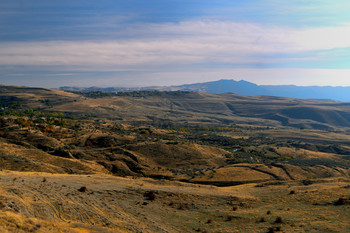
(171, 162)
(44, 202)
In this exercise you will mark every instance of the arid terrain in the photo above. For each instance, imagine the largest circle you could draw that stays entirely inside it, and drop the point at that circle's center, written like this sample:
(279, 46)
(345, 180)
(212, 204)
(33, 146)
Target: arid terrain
(172, 162)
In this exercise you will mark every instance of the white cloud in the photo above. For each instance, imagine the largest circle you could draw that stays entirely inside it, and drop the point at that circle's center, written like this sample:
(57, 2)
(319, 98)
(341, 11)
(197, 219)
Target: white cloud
(322, 38)
(179, 44)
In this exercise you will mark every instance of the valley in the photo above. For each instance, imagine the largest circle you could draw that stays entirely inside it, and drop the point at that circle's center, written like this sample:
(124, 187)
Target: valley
(149, 161)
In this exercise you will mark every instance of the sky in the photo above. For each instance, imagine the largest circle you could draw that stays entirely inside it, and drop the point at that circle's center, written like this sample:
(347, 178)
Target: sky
(134, 43)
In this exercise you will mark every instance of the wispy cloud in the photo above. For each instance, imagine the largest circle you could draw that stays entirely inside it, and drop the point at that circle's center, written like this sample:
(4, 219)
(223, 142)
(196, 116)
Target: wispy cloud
(181, 44)
(134, 42)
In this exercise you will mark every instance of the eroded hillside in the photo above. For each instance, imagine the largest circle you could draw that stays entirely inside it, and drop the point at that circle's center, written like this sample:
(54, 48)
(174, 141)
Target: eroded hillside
(153, 107)
(170, 162)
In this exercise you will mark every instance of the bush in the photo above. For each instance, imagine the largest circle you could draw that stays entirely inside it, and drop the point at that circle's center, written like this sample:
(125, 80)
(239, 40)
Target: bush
(279, 220)
(150, 195)
(144, 131)
(60, 151)
(82, 189)
(340, 201)
(172, 143)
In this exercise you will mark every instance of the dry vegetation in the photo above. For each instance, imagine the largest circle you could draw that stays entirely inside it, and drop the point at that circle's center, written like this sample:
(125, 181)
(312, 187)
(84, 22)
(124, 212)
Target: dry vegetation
(43, 202)
(168, 162)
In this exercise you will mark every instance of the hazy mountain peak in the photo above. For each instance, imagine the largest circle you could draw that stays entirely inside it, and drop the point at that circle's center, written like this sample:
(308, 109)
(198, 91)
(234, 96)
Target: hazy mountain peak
(243, 87)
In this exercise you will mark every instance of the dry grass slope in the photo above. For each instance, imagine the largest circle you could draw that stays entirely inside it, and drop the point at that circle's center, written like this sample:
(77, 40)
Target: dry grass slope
(171, 162)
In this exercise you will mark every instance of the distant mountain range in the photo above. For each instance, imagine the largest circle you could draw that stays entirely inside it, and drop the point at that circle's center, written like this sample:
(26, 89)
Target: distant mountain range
(241, 88)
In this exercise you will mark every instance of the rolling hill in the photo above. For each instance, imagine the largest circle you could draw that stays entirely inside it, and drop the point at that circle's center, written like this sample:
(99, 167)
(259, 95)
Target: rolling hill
(150, 161)
(242, 88)
(188, 107)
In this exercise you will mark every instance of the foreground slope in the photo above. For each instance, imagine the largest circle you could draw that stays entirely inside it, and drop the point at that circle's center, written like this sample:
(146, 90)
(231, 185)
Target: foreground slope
(42, 202)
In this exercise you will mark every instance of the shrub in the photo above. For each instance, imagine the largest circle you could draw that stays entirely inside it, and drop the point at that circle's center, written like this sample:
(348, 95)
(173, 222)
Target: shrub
(82, 189)
(307, 182)
(150, 195)
(144, 131)
(279, 220)
(3, 122)
(272, 229)
(340, 201)
(172, 143)
(60, 151)
(89, 143)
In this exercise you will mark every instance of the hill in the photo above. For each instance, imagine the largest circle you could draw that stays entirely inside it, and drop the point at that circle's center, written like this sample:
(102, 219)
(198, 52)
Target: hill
(250, 89)
(186, 107)
(138, 131)
(199, 108)
(243, 88)
(150, 161)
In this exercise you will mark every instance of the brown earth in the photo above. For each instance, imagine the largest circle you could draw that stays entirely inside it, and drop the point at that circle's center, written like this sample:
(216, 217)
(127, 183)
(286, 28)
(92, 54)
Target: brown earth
(43, 202)
(172, 162)
(185, 107)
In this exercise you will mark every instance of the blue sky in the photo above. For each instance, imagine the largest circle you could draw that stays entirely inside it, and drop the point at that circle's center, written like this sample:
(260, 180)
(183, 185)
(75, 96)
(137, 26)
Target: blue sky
(51, 43)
